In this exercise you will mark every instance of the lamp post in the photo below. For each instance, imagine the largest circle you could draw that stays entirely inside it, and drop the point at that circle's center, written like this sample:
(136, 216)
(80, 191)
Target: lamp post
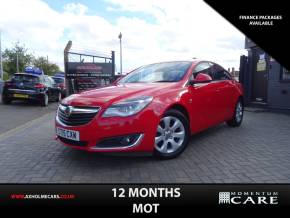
(120, 37)
(17, 62)
(1, 63)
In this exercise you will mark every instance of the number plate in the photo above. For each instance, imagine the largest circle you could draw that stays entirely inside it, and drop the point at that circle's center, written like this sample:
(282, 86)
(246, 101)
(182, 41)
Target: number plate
(20, 96)
(68, 134)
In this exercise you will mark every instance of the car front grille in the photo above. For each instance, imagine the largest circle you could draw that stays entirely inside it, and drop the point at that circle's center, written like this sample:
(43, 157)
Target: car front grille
(76, 116)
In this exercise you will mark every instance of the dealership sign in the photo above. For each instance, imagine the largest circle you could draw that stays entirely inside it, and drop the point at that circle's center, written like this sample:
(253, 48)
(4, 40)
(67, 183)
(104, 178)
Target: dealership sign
(89, 75)
(88, 70)
(248, 197)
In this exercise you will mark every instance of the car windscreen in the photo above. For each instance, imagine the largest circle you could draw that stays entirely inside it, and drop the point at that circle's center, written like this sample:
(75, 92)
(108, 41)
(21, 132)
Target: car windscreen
(58, 80)
(25, 78)
(160, 72)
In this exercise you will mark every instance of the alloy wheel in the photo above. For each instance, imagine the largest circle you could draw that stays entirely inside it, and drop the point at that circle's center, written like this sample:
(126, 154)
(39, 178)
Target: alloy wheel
(239, 112)
(170, 134)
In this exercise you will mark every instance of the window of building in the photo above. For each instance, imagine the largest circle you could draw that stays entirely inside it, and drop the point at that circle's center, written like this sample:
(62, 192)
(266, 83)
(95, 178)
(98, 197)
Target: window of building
(285, 74)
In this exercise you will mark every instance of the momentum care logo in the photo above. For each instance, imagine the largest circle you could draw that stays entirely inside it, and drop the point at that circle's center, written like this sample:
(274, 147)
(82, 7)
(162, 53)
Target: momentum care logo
(248, 197)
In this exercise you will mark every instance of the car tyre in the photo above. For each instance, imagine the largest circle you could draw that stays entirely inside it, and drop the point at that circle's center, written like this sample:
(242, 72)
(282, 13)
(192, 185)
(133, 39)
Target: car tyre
(44, 100)
(172, 135)
(6, 100)
(238, 115)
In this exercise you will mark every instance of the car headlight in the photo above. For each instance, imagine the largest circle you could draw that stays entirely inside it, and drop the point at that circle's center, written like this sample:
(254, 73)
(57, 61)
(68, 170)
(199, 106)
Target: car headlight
(127, 107)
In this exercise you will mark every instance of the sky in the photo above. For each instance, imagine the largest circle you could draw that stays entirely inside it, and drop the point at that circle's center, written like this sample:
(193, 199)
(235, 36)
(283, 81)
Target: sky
(152, 30)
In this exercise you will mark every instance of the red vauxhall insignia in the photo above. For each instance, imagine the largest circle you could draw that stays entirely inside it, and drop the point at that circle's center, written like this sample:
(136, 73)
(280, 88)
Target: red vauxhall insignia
(155, 108)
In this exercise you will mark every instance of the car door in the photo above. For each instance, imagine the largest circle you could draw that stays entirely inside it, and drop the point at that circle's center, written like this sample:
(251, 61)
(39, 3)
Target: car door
(224, 92)
(54, 89)
(47, 83)
(202, 98)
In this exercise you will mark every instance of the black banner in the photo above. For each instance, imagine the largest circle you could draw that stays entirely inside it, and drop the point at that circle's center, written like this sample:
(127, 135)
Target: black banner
(147, 199)
(266, 23)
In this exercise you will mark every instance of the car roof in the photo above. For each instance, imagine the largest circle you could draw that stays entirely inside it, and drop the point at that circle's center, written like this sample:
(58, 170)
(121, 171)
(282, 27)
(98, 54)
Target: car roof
(193, 61)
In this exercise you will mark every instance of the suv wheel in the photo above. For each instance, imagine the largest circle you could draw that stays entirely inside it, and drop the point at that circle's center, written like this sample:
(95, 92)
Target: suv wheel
(172, 135)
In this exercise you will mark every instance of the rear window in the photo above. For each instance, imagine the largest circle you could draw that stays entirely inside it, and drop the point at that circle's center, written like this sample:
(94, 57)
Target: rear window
(58, 80)
(25, 78)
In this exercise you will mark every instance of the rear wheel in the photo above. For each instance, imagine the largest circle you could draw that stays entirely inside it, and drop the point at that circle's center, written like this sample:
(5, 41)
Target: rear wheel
(238, 115)
(6, 100)
(172, 135)
(44, 100)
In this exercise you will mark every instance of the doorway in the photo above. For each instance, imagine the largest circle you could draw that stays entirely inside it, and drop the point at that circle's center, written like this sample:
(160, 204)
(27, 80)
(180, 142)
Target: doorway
(260, 76)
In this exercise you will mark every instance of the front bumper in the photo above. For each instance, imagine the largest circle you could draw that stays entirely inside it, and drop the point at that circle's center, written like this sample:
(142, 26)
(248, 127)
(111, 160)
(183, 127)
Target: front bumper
(92, 135)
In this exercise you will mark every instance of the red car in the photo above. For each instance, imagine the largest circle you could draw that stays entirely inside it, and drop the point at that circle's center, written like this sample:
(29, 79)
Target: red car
(155, 108)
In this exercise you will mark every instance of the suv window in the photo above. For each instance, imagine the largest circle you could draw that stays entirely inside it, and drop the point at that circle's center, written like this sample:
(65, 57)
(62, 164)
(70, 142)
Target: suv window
(219, 73)
(25, 78)
(47, 82)
(51, 81)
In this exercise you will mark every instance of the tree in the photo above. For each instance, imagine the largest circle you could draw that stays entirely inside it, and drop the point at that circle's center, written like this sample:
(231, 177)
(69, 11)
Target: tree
(10, 58)
(47, 67)
(25, 59)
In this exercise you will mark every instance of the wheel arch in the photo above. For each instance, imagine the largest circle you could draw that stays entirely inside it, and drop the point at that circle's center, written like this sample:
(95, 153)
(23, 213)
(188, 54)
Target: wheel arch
(180, 108)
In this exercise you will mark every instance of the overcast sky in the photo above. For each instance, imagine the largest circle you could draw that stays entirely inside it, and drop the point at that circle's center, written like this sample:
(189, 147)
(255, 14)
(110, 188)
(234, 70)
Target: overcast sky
(153, 30)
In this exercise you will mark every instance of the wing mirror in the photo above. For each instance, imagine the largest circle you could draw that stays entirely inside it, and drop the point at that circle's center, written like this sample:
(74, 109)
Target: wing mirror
(201, 78)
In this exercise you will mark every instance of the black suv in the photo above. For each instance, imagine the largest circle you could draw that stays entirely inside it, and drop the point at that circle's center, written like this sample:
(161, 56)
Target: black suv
(25, 86)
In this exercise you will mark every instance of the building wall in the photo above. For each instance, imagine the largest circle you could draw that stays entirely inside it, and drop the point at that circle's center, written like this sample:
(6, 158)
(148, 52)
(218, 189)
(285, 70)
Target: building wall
(278, 92)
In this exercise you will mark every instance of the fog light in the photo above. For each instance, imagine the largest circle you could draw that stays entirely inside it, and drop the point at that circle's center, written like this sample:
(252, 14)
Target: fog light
(127, 140)
(120, 141)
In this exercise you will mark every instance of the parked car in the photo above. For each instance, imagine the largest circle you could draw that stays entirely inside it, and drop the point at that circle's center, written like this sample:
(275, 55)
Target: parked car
(155, 108)
(60, 82)
(26, 86)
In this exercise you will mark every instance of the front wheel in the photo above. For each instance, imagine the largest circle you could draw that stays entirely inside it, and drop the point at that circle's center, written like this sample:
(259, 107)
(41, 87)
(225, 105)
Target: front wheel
(172, 135)
(238, 115)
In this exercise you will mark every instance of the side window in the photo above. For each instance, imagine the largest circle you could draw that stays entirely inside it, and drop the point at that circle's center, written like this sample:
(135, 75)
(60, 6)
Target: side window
(41, 79)
(51, 82)
(201, 68)
(46, 81)
(219, 73)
